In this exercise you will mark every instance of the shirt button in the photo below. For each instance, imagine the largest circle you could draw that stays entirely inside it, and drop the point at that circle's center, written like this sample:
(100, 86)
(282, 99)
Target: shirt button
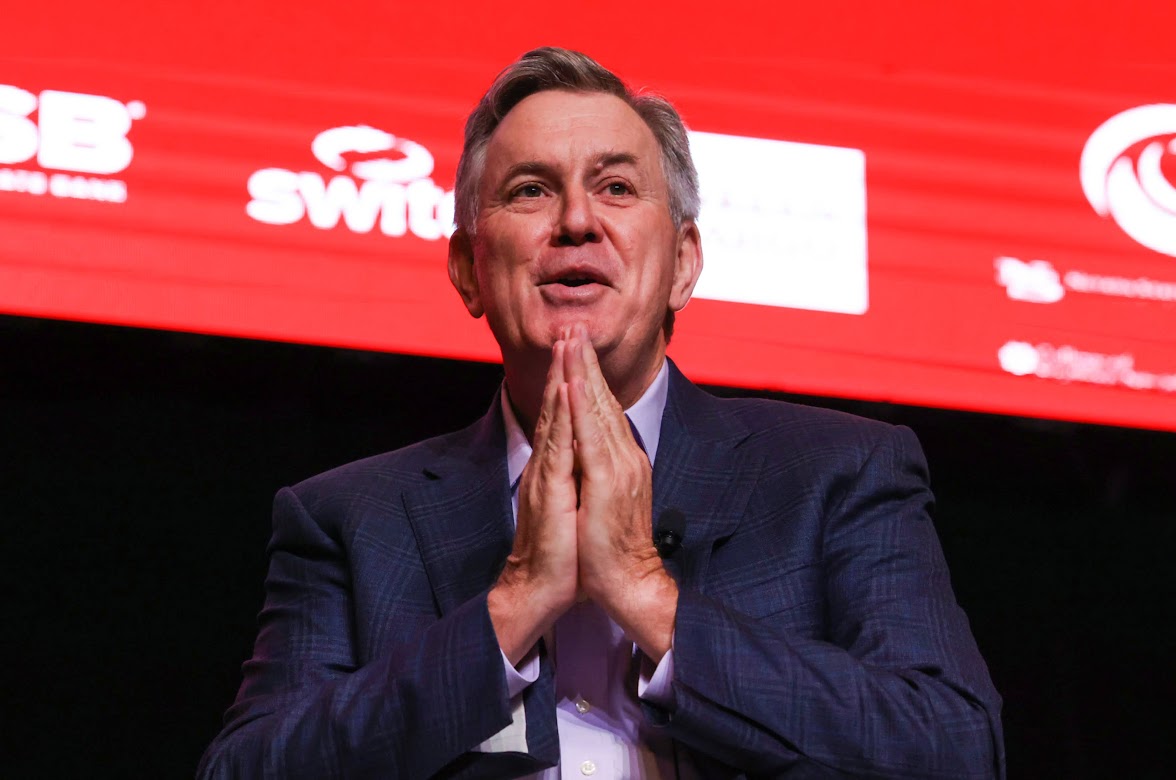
(588, 768)
(582, 707)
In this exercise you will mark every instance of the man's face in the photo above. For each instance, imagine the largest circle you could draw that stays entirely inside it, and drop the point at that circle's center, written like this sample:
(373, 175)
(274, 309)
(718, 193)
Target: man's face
(575, 227)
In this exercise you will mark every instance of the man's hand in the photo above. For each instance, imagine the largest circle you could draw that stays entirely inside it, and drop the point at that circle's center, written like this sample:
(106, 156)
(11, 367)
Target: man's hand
(539, 581)
(585, 517)
(619, 567)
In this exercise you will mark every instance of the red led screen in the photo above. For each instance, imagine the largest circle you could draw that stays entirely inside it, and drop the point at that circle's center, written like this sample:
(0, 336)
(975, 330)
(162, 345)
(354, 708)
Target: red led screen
(960, 207)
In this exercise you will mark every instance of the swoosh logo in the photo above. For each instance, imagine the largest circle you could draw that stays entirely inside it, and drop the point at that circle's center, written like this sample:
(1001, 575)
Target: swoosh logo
(1123, 176)
(415, 161)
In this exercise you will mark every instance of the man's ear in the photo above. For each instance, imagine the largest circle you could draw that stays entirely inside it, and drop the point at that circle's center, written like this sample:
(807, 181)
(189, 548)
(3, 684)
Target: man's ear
(461, 272)
(687, 265)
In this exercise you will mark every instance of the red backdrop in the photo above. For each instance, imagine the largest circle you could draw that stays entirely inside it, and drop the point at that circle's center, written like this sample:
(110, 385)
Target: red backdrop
(916, 202)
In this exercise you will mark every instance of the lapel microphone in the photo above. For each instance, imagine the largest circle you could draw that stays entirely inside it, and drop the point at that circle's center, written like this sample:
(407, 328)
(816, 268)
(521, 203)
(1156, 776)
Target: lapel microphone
(669, 532)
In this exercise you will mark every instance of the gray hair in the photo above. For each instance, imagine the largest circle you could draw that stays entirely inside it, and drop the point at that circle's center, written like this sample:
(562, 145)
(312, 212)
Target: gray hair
(551, 68)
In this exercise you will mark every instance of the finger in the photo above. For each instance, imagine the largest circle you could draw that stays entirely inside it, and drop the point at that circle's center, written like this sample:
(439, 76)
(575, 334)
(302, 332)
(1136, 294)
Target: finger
(600, 450)
(604, 404)
(556, 447)
(571, 364)
(555, 478)
(559, 443)
(590, 445)
(597, 385)
(555, 374)
(555, 378)
(592, 432)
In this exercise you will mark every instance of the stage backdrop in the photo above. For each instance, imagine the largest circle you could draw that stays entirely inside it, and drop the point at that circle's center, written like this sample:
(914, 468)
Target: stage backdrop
(960, 207)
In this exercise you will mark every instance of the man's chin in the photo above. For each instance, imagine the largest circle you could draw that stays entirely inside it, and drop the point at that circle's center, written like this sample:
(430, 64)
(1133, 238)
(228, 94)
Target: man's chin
(604, 334)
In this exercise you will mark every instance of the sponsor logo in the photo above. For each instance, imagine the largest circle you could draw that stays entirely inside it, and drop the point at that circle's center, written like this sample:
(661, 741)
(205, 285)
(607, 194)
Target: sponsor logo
(782, 223)
(1018, 358)
(1037, 281)
(380, 182)
(67, 143)
(1123, 174)
(1069, 364)
(1033, 282)
(1140, 288)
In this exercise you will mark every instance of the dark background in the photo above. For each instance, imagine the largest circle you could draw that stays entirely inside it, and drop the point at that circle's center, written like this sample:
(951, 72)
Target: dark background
(138, 468)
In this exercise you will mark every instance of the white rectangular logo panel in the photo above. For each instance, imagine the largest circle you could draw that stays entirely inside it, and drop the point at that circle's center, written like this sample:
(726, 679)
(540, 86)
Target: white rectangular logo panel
(782, 223)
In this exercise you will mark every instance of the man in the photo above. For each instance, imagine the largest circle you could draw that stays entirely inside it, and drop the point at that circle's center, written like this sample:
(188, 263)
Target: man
(492, 603)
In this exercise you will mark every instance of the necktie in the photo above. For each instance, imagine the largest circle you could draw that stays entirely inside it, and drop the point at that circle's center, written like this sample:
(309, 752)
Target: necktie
(637, 435)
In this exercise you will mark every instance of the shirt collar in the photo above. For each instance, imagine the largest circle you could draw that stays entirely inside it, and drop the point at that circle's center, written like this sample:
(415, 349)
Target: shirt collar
(646, 415)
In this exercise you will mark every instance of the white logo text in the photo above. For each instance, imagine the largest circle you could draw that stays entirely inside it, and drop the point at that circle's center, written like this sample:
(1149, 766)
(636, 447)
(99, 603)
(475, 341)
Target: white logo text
(395, 192)
(73, 133)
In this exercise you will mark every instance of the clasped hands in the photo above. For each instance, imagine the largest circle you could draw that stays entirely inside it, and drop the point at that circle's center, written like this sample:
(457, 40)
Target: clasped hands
(584, 525)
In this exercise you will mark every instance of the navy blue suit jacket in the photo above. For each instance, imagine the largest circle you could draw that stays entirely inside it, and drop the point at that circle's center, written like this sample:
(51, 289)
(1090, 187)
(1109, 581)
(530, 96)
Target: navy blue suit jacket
(817, 634)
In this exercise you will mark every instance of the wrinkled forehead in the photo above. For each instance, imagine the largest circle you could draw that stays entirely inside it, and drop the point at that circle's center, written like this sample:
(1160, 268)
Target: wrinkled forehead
(571, 130)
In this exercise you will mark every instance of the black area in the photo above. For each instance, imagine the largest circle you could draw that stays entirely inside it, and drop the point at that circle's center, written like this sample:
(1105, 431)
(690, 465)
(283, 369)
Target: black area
(138, 469)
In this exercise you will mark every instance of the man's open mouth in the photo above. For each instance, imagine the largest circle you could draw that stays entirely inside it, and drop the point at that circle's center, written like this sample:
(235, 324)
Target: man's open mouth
(574, 277)
(575, 281)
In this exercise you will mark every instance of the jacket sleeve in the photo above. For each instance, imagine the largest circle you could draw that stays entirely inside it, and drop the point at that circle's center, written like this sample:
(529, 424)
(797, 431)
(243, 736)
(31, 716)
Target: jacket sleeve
(894, 686)
(306, 709)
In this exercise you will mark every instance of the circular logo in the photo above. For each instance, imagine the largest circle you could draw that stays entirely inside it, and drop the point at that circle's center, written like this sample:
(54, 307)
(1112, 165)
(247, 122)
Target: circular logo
(1128, 168)
(415, 161)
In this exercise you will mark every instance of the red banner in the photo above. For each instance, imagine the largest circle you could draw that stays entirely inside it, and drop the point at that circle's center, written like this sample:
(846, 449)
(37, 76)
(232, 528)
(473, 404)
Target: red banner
(949, 211)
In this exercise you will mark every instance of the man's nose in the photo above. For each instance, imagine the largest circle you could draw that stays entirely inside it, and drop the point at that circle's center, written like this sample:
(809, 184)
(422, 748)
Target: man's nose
(578, 223)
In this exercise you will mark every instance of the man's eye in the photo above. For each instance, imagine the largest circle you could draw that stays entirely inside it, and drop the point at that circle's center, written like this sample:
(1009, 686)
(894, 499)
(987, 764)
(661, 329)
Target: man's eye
(618, 188)
(528, 191)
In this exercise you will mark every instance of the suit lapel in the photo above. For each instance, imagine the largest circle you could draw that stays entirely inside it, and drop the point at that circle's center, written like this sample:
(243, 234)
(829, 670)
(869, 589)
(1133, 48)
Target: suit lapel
(461, 515)
(702, 471)
(464, 527)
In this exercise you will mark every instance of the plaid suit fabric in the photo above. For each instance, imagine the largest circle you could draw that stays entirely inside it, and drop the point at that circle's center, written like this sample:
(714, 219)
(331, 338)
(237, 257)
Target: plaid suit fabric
(817, 634)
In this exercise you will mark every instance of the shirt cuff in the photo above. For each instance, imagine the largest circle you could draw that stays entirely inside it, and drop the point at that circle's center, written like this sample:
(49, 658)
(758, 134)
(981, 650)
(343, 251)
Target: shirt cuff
(654, 683)
(527, 672)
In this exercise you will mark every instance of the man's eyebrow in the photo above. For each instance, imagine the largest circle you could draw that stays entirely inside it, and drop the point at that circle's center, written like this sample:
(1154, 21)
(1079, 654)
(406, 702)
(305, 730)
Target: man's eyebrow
(527, 168)
(609, 159)
(538, 168)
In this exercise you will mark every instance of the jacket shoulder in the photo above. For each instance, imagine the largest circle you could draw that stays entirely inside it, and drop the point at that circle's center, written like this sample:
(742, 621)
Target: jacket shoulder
(771, 419)
(772, 422)
(381, 474)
